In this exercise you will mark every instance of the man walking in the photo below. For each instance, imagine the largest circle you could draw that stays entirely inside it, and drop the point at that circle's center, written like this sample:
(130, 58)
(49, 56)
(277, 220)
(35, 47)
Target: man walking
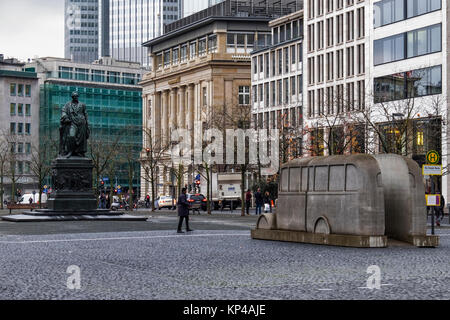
(258, 201)
(183, 211)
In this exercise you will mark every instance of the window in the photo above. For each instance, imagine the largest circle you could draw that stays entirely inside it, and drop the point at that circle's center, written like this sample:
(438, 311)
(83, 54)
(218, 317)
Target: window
(113, 77)
(27, 167)
(12, 109)
(321, 178)
(81, 74)
(311, 70)
(202, 47)
(337, 178)
(295, 179)
(293, 86)
(293, 55)
(267, 65)
(415, 83)
(204, 96)
(311, 37)
(361, 23)
(330, 32)
(361, 59)
(272, 90)
(320, 65)
(261, 93)
(28, 110)
(285, 179)
(183, 52)
(65, 72)
(27, 148)
(20, 167)
(20, 147)
(361, 94)
(280, 92)
(20, 109)
(166, 58)
(286, 90)
(240, 40)
(390, 11)
(419, 7)
(350, 26)
(300, 84)
(330, 66)
(12, 146)
(423, 41)
(255, 94)
(350, 61)
(28, 90)
(12, 128)
(27, 128)
(20, 90)
(20, 128)
(98, 75)
(192, 50)
(340, 28)
(286, 60)
(280, 62)
(267, 94)
(12, 89)
(244, 95)
(212, 43)
(351, 181)
(419, 42)
(129, 78)
(389, 49)
(175, 55)
(320, 33)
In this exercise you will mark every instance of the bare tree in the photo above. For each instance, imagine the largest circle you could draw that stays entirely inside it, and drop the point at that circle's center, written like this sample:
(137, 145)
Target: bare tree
(155, 152)
(101, 153)
(40, 164)
(4, 153)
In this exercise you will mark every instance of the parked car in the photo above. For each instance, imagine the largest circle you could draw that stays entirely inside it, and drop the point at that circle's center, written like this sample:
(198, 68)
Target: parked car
(197, 202)
(120, 206)
(165, 202)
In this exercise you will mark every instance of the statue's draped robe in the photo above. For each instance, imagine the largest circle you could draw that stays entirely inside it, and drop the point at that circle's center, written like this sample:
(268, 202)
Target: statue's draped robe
(74, 130)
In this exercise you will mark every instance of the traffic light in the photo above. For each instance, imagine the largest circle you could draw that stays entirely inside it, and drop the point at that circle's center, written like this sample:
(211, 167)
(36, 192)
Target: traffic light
(102, 183)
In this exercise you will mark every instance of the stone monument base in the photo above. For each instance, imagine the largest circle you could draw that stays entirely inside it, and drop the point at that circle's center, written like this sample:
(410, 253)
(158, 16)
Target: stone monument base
(73, 198)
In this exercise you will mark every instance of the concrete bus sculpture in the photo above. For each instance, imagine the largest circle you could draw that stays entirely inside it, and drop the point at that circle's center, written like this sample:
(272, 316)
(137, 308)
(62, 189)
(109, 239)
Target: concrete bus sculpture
(355, 200)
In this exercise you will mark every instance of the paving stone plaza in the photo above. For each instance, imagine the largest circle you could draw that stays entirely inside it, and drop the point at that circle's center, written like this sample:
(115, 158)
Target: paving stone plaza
(219, 260)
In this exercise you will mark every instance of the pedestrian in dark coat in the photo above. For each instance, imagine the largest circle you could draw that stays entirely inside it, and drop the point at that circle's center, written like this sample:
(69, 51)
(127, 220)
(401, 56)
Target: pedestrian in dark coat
(248, 201)
(259, 201)
(183, 211)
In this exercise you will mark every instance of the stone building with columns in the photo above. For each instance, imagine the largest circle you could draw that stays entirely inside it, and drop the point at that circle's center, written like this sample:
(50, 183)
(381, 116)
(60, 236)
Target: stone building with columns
(200, 63)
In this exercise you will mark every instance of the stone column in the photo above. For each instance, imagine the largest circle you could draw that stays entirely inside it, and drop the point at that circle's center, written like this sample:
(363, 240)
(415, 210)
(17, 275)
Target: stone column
(191, 107)
(157, 120)
(182, 108)
(165, 116)
(173, 109)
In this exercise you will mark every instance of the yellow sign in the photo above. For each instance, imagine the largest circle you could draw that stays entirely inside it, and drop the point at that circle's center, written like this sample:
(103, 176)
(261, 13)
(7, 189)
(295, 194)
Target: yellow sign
(433, 157)
(433, 200)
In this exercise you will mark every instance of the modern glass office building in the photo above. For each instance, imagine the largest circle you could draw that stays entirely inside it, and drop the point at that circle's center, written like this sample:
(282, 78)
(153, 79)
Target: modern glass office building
(113, 101)
(81, 30)
(133, 22)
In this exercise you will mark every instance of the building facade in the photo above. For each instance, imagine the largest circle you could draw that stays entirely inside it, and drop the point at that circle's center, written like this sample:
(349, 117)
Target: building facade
(200, 65)
(82, 30)
(19, 127)
(113, 100)
(131, 23)
(375, 78)
(277, 83)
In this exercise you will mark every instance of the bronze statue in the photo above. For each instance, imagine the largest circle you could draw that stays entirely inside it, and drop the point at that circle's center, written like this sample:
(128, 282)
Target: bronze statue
(74, 130)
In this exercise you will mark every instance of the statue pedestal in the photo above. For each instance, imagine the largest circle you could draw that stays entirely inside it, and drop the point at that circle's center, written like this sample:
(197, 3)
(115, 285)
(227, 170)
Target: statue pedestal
(72, 185)
(73, 198)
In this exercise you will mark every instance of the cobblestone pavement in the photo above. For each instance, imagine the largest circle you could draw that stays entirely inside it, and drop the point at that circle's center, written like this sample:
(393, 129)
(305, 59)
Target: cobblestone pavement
(213, 264)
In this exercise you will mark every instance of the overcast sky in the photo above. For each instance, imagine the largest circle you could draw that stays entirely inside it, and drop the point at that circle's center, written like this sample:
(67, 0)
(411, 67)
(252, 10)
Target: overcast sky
(30, 28)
